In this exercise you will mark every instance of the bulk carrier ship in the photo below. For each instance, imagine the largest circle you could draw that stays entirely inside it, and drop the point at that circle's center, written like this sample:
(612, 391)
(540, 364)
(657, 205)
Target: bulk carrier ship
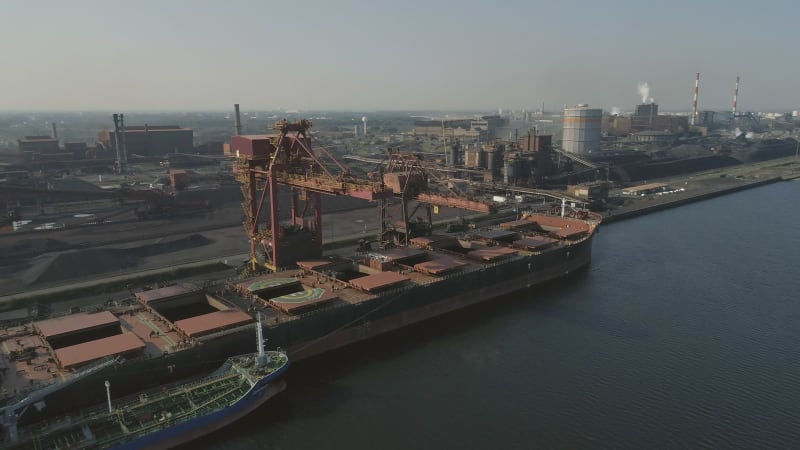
(165, 417)
(313, 305)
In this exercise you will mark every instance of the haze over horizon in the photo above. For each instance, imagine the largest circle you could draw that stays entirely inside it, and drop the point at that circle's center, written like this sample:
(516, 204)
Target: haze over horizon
(411, 55)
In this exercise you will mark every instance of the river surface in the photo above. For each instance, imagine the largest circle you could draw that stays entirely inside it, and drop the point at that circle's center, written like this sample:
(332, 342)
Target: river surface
(683, 333)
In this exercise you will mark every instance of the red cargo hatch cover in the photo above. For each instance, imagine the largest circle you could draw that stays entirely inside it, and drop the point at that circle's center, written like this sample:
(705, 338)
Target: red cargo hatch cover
(378, 281)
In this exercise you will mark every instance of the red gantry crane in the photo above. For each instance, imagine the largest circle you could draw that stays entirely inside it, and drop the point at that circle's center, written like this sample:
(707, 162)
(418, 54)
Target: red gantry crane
(286, 157)
(408, 176)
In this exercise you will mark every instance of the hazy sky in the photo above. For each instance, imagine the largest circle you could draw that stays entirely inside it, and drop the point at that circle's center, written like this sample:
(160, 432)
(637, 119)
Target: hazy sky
(400, 54)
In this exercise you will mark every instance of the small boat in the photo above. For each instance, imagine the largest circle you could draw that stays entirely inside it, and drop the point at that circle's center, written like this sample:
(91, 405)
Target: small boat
(168, 416)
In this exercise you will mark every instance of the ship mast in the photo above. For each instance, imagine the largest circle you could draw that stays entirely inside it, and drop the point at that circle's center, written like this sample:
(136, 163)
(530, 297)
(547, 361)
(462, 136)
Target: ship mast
(262, 357)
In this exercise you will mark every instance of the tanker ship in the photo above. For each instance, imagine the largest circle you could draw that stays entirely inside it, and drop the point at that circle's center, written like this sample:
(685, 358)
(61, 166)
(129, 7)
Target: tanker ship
(311, 303)
(165, 417)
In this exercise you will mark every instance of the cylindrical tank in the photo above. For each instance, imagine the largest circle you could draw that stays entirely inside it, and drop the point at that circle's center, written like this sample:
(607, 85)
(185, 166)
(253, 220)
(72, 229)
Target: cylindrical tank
(491, 156)
(582, 129)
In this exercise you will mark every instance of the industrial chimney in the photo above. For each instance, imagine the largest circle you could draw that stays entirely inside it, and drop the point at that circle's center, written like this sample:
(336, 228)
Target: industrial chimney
(124, 150)
(237, 120)
(694, 103)
(117, 141)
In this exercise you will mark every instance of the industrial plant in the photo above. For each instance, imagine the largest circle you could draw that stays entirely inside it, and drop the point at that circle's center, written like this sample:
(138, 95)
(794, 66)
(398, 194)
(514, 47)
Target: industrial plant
(332, 227)
(154, 169)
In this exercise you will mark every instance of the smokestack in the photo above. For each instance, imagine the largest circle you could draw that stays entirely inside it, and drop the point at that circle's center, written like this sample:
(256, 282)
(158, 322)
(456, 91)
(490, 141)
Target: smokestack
(735, 96)
(55, 133)
(529, 141)
(124, 149)
(694, 103)
(117, 141)
(146, 142)
(237, 120)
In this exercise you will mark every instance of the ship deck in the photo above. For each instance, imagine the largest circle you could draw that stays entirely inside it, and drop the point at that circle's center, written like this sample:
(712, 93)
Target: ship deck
(149, 412)
(430, 260)
(174, 318)
(29, 362)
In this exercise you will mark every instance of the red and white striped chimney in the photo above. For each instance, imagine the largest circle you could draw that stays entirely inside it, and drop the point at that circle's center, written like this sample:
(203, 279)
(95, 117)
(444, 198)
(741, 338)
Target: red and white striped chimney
(735, 96)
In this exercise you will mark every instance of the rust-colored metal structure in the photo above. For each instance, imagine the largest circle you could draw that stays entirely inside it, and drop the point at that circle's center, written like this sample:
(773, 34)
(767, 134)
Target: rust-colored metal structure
(287, 158)
(408, 176)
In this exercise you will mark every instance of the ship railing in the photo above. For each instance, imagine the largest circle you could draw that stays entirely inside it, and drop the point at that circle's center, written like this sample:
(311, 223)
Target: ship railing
(91, 309)
(570, 243)
(188, 414)
(397, 291)
(388, 292)
(66, 420)
(449, 252)
(34, 394)
(330, 306)
(447, 276)
(130, 401)
(559, 243)
(222, 333)
(504, 261)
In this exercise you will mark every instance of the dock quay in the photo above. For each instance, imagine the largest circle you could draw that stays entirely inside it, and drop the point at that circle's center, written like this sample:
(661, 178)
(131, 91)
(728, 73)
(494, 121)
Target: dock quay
(700, 186)
(691, 188)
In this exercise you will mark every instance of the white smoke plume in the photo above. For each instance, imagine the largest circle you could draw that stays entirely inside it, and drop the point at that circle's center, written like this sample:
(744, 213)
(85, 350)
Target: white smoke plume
(644, 91)
(616, 111)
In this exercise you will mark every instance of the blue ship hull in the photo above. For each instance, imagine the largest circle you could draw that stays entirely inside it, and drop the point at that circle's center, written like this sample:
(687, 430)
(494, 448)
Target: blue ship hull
(184, 432)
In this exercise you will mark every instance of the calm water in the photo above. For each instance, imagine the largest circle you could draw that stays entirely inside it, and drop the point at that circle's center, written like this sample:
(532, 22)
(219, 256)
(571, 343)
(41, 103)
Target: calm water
(685, 332)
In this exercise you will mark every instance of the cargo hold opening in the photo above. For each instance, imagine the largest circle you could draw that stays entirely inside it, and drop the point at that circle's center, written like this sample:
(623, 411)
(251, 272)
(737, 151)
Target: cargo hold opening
(82, 336)
(187, 306)
(279, 291)
(78, 329)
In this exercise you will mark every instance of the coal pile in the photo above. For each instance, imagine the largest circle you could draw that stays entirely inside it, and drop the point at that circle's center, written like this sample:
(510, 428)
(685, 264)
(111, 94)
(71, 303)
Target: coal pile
(79, 264)
(11, 255)
(98, 261)
(175, 245)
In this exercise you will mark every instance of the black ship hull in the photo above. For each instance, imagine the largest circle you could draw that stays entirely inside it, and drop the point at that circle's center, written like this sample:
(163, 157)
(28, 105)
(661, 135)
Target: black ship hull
(330, 328)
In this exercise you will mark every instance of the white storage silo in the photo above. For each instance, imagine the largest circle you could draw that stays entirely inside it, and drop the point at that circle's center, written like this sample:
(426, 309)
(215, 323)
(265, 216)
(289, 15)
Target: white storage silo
(582, 129)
